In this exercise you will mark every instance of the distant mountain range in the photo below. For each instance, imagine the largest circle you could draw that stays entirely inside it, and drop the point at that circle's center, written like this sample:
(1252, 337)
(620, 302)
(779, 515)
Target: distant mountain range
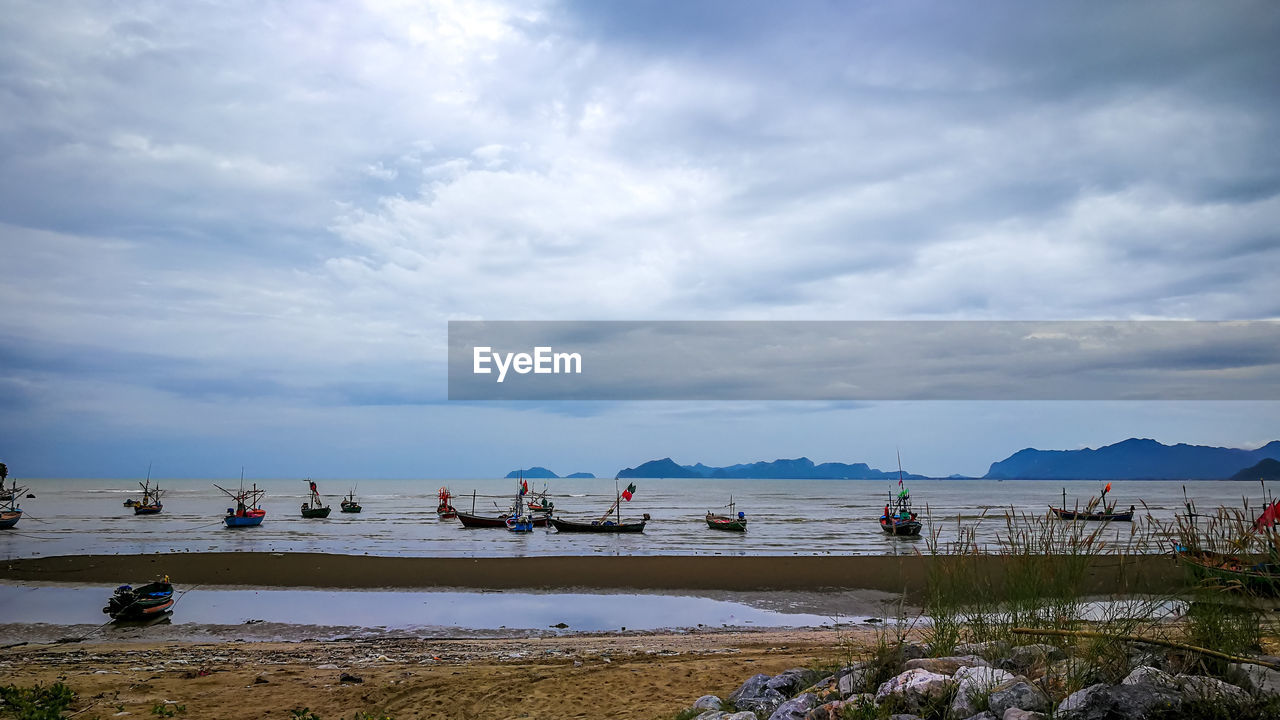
(540, 473)
(1266, 469)
(797, 469)
(1130, 460)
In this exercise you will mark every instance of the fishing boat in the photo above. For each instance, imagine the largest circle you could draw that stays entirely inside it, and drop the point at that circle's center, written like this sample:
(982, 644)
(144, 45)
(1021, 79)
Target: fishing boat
(150, 503)
(130, 503)
(733, 522)
(149, 601)
(472, 520)
(444, 508)
(314, 507)
(246, 513)
(349, 504)
(605, 524)
(520, 520)
(1231, 572)
(898, 519)
(10, 512)
(1096, 510)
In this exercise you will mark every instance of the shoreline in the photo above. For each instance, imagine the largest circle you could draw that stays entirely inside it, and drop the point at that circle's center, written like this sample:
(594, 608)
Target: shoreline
(893, 574)
(628, 676)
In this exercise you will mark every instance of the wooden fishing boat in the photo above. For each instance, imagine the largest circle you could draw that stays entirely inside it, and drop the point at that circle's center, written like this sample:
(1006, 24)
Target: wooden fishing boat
(149, 601)
(1096, 510)
(604, 524)
(444, 508)
(246, 513)
(10, 512)
(600, 526)
(732, 522)
(520, 521)
(150, 503)
(898, 519)
(473, 520)
(349, 504)
(1098, 516)
(1231, 572)
(314, 507)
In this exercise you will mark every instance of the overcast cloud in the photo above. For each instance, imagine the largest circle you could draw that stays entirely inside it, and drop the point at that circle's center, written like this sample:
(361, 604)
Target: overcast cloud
(228, 230)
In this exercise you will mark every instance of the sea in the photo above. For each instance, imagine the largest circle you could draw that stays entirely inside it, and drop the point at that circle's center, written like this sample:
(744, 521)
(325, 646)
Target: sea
(785, 517)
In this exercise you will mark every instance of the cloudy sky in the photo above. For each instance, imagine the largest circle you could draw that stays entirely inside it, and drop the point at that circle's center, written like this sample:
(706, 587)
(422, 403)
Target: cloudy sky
(234, 233)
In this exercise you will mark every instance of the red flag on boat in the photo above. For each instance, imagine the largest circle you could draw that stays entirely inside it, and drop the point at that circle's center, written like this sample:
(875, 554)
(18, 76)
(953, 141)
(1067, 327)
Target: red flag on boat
(524, 486)
(1269, 516)
(626, 494)
(1107, 489)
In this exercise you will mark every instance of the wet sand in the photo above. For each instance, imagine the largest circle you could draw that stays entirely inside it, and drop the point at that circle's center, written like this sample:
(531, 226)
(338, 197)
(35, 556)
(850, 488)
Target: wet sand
(894, 574)
(617, 676)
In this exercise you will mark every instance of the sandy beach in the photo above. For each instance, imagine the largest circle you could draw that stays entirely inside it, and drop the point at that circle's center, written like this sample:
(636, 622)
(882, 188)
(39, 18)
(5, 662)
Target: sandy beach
(895, 574)
(615, 676)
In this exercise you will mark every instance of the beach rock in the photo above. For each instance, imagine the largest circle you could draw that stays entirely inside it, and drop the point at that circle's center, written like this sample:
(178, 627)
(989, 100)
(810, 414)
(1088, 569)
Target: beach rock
(904, 716)
(1199, 687)
(945, 665)
(795, 708)
(763, 704)
(749, 689)
(1138, 701)
(971, 684)
(912, 651)
(1025, 657)
(789, 682)
(984, 715)
(852, 682)
(915, 688)
(989, 649)
(1101, 702)
(1088, 703)
(349, 678)
(741, 716)
(1017, 714)
(706, 702)
(836, 709)
(1153, 677)
(1262, 680)
(1017, 694)
(722, 715)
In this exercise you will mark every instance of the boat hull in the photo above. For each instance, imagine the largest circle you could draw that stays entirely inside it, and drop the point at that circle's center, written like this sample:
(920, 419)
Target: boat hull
(315, 513)
(350, 508)
(606, 527)
(251, 519)
(9, 518)
(484, 521)
(728, 524)
(149, 601)
(147, 509)
(1092, 516)
(1231, 573)
(901, 528)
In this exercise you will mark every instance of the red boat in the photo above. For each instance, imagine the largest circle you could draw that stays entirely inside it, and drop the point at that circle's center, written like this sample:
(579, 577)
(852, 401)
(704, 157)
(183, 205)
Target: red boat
(445, 509)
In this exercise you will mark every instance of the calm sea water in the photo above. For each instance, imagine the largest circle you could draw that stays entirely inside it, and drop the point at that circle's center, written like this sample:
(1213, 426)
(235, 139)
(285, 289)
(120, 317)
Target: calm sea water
(805, 517)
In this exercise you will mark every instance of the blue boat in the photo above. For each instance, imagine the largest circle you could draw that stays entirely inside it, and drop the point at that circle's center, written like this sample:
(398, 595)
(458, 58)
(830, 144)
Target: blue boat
(10, 513)
(246, 513)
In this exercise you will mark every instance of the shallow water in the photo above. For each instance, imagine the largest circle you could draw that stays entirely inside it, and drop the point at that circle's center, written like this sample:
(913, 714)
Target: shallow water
(785, 516)
(50, 612)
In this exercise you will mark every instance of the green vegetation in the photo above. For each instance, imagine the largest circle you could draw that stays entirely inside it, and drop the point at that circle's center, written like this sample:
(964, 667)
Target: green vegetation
(36, 702)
